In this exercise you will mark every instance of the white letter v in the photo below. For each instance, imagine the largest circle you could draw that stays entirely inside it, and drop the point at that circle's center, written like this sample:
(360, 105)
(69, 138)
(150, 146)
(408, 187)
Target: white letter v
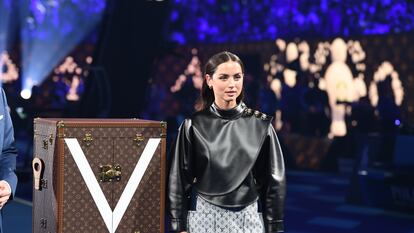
(112, 219)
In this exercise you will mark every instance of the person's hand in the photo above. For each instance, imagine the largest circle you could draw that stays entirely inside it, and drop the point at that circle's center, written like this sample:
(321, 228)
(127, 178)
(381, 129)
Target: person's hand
(5, 193)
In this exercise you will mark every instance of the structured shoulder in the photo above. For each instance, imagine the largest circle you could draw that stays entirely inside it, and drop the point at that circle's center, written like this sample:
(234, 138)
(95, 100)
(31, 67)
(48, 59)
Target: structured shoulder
(248, 112)
(187, 123)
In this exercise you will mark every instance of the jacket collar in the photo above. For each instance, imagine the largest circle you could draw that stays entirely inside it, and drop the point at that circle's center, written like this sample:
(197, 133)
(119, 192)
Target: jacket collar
(228, 113)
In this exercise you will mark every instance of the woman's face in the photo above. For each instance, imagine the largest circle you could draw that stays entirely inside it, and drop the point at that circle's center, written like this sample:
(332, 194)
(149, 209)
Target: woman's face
(227, 84)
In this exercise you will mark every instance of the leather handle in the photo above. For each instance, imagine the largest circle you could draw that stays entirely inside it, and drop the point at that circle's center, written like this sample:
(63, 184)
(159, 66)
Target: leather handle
(37, 165)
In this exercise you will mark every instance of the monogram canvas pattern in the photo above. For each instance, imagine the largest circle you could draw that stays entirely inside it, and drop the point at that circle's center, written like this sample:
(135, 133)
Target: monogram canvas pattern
(110, 145)
(113, 146)
(45, 199)
(209, 218)
(146, 201)
(38, 200)
(79, 209)
(112, 132)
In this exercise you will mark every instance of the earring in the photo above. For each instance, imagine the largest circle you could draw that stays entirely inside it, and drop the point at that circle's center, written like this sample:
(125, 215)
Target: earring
(211, 87)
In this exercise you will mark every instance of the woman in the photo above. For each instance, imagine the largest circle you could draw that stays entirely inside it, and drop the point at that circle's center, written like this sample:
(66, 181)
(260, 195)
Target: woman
(227, 172)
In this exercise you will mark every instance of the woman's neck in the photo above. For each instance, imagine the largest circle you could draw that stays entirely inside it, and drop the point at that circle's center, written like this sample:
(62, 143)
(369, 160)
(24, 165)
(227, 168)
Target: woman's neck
(225, 105)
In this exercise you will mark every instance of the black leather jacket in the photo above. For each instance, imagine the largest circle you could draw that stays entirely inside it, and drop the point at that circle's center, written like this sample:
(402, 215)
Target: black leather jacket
(231, 158)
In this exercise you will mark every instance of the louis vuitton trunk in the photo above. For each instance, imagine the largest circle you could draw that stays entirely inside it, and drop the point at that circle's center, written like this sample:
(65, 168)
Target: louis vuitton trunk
(98, 175)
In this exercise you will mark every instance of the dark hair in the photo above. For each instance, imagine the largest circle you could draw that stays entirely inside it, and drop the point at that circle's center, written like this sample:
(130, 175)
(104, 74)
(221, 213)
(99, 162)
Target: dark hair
(207, 95)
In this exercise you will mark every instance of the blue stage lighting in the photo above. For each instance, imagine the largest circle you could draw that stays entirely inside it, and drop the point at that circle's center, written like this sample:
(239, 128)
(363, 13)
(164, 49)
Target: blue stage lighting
(5, 11)
(243, 20)
(26, 94)
(397, 122)
(50, 30)
(8, 69)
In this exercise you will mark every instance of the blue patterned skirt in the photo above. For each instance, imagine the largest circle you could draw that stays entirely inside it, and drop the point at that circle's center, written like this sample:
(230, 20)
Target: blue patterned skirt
(209, 218)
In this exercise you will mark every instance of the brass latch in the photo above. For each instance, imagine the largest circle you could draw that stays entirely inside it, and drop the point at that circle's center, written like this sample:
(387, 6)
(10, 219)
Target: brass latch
(139, 138)
(109, 173)
(88, 139)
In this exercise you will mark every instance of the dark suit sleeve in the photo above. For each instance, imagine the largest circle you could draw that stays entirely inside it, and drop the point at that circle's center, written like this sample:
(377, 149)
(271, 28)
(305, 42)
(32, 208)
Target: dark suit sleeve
(9, 151)
(179, 180)
(270, 172)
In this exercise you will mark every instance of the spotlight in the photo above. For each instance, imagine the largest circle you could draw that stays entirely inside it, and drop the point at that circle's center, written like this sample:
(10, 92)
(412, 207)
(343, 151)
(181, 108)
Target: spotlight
(59, 26)
(26, 94)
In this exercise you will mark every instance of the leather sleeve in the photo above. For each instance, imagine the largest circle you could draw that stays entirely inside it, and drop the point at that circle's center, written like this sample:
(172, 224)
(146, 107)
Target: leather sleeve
(270, 174)
(179, 180)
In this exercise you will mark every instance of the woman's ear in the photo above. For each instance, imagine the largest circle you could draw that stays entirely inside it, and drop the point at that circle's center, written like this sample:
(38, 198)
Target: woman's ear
(208, 80)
